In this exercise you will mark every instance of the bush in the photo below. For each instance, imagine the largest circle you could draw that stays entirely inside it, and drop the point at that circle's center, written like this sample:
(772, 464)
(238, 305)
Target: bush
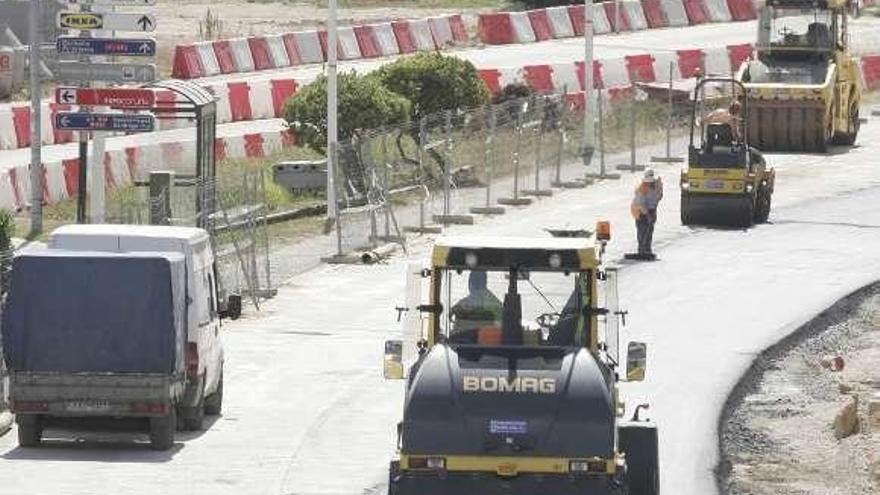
(363, 104)
(433, 83)
(513, 91)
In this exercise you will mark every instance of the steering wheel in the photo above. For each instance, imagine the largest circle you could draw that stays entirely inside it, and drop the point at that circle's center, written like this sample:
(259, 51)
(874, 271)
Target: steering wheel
(548, 320)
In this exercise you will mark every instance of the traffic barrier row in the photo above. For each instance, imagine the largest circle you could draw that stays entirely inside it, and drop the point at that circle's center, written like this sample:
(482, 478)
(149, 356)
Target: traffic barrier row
(276, 51)
(500, 28)
(125, 165)
(236, 102)
(622, 72)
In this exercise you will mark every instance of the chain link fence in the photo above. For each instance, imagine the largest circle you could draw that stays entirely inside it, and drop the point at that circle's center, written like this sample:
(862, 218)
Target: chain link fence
(449, 167)
(232, 208)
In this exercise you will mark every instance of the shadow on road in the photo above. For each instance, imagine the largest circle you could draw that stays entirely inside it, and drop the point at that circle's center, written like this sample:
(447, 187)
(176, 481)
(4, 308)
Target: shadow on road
(103, 441)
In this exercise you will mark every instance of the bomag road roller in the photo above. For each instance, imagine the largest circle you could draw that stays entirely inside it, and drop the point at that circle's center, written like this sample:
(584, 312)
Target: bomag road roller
(726, 182)
(514, 386)
(803, 85)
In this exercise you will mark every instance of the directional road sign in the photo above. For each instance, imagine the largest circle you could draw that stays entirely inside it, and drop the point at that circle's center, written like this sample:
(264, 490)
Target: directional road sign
(120, 122)
(103, 71)
(106, 97)
(106, 46)
(109, 22)
(111, 2)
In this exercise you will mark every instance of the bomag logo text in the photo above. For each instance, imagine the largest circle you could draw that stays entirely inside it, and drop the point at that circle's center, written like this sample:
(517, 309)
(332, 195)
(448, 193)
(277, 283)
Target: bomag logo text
(517, 385)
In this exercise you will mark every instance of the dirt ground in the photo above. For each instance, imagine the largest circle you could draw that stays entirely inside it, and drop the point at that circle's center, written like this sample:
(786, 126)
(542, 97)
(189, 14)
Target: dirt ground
(179, 20)
(778, 436)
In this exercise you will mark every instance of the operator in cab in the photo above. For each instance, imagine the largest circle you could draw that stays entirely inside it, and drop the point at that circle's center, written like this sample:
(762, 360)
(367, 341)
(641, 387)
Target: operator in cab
(479, 309)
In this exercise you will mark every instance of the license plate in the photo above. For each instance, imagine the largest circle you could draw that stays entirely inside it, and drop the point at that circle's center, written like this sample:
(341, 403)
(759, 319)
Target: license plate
(87, 406)
(714, 184)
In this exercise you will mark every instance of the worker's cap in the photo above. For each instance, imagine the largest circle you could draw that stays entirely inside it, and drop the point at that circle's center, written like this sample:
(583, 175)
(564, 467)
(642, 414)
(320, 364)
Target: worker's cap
(649, 176)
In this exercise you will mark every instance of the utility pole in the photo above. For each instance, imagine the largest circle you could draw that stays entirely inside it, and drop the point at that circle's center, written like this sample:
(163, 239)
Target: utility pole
(36, 123)
(332, 132)
(588, 145)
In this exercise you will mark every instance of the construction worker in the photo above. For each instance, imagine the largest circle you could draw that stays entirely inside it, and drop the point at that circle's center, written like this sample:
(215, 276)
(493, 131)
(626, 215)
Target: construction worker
(727, 119)
(644, 210)
(480, 308)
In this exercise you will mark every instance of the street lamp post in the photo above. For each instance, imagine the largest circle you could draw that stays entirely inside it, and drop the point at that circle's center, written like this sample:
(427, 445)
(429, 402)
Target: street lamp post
(332, 132)
(36, 124)
(588, 144)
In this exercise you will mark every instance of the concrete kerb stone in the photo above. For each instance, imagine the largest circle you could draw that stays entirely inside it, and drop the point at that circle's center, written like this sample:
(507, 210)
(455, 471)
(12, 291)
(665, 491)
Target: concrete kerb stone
(515, 201)
(427, 229)
(488, 210)
(454, 219)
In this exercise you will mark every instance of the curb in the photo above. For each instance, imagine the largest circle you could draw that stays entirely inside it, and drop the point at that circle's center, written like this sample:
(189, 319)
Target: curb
(5, 422)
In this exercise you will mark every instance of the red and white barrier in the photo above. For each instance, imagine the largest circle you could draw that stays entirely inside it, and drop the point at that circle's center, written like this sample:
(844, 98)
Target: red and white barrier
(385, 39)
(560, 22)
(308, 45)
(8, 139)
(208, 59)
(697, 11)
(675, 13)
(870, 70)
(654, 14)
(241, 53)
(601, 24)
(616, 16)
(367, 42)
(718, 10)
(522, 27)
(441, 31)
(278, 51)
(422, 38)
(717, 62)
(349, 44)
(635, 14)
(742, 10)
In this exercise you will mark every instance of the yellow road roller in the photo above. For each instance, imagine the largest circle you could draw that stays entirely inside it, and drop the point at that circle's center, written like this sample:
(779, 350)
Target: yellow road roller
(726, 182)
(803, 84)
(512, 374)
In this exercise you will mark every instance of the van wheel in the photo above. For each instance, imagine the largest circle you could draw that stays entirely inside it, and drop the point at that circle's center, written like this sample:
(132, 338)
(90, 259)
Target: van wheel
(162, 430)
(194, 417)
(639, 443)
(214, 402)
(30, 430)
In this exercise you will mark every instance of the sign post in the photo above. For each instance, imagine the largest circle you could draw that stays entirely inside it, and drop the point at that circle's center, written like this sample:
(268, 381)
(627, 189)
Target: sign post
(94, 68)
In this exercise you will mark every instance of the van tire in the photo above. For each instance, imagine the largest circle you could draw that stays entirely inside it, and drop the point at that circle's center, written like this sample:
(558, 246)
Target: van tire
(214, 402)
(30, 430)
(162, 430)
(194, 417)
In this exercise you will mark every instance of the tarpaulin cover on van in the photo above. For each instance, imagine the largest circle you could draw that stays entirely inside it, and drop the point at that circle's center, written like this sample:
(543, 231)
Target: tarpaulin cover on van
(95, 312)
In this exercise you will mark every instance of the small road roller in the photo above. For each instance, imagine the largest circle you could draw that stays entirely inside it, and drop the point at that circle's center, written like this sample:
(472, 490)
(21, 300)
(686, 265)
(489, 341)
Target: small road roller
(726, 182)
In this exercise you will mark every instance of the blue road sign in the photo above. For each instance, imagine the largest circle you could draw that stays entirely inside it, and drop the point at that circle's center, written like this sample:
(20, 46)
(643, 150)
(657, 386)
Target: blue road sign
(106, 46)
(120, 122)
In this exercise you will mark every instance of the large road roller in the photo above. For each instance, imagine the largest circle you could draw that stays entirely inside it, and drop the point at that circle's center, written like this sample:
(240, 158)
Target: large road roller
(513, 386)
(803, 84)
(726, 181)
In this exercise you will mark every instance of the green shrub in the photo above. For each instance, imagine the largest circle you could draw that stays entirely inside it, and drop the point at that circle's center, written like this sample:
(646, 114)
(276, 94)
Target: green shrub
(363, 104)
(433, 83)
(540, 4)
(7, 229)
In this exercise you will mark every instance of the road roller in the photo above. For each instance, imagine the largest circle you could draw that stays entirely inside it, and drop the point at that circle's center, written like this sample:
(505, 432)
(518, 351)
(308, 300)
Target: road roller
(803, 83)
(511, 369)
(726, 182)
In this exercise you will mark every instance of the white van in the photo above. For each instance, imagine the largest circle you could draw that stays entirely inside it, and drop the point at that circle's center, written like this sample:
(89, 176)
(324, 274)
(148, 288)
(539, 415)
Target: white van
(204, 351)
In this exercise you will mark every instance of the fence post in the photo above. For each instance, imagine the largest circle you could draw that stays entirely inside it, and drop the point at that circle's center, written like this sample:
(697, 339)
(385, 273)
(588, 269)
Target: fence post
(489, 160)
(562, 126)
(423, 142)
(669, 122)
(161, 183)
(447, 217)
(633, 122)
(603, 172)
(516, 200)
(539, 131)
